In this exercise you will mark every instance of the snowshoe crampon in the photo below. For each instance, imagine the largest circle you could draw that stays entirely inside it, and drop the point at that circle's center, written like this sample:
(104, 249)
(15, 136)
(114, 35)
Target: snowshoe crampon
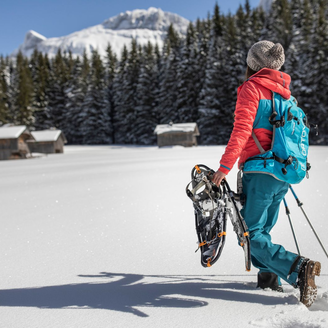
(213, 205)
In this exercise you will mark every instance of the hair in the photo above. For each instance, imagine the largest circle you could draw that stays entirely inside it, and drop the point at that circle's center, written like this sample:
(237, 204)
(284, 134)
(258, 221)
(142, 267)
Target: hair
(249, 73)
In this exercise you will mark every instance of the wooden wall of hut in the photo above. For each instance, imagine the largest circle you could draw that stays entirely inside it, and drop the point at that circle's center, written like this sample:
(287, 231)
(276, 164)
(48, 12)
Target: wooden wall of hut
(14, 148)
(177, 138)
(47, 147)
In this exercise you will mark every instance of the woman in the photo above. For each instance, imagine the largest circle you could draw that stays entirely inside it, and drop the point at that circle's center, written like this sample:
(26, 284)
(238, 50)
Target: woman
(263, 192)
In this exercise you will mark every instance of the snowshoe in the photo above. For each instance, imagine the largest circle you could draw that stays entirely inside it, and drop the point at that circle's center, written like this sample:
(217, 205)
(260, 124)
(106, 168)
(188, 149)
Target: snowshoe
(213, 205)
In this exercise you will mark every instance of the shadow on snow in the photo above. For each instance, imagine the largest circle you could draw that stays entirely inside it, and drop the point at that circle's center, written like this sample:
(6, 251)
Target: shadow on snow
(129, 291)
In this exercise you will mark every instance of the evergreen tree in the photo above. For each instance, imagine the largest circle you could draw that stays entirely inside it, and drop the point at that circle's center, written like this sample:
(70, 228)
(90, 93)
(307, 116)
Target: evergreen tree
(294, 60)
(258, 24)
(245, 28)
(173, 38)
(187, 78)
(318, 76)
(40, 68)
(75, 95)
(217, 21)
(125, 100)
(96, 128)
(21, 86)
(203, 31)
(167, 100)
(146, 94)
(4, 79)
(298, 56)
(233, 69)
(210, 108)
(280, 23)
(110, 77)
(55, 112)
(307, 24)
(118, 97)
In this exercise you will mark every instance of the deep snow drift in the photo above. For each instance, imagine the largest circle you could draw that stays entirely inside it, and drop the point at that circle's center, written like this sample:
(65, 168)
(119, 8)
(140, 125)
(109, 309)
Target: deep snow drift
(104, 237)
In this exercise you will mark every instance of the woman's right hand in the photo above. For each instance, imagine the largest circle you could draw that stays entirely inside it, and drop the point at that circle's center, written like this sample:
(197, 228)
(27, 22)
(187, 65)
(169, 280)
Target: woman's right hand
(218, 177)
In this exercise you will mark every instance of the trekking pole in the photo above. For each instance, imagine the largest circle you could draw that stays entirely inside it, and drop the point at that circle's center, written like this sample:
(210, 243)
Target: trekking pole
(291, 226)
(299, 203)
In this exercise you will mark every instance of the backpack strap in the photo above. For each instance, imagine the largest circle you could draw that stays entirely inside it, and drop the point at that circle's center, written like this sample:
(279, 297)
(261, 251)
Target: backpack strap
(258, 143)
(271, 118)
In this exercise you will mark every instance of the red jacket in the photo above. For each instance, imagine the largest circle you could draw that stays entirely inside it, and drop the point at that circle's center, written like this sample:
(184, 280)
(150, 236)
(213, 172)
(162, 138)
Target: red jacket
(252, 97)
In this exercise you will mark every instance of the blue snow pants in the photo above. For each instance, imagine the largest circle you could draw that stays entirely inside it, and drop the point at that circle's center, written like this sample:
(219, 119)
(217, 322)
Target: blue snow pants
(263, 197)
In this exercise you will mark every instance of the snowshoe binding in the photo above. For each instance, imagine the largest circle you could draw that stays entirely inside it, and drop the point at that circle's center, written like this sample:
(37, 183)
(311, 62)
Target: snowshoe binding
(213, 205)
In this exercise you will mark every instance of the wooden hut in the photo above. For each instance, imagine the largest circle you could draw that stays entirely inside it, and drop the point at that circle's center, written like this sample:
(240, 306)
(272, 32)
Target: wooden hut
(47, 141)
(183, 134)
(13, 142)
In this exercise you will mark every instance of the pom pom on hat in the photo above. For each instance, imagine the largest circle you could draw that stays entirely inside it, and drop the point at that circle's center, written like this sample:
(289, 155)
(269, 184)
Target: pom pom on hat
(265, 54)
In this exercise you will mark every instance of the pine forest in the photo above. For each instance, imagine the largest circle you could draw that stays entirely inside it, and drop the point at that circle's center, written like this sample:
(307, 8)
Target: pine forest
(121, 98)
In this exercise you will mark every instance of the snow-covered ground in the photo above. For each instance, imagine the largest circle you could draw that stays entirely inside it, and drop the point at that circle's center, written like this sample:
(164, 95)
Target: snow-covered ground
(104, 237)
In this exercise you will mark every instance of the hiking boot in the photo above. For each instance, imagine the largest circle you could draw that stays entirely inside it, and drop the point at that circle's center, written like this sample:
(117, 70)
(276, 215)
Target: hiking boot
(269, 280)
(308, 289)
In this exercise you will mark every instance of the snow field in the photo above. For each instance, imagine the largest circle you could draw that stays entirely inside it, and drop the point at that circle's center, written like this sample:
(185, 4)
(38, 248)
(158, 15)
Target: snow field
(104, 236)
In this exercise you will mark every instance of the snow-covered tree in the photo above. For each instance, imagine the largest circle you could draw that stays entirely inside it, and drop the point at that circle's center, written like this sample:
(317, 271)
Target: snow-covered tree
(146, 96)
(21, 93)
(4, 80)
(40, 68)
(111, 68)
(210, 108)
(188, 78)
(75, 94)
(118, 97)
(125, 86)
(317, 100)
(96, 127)
(56, 105)
(167, 99)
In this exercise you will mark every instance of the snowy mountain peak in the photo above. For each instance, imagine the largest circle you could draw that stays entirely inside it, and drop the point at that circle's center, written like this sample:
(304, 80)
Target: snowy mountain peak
(143, 25)
(32, 36)
(32, 39)
(151, 19)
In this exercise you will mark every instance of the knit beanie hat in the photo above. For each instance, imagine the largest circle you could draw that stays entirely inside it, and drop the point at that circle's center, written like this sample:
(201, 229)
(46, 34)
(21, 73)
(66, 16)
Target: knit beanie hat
(265, 54)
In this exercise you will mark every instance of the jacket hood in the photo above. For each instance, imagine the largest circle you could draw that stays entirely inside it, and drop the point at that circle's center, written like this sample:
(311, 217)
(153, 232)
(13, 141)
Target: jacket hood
(273, 80)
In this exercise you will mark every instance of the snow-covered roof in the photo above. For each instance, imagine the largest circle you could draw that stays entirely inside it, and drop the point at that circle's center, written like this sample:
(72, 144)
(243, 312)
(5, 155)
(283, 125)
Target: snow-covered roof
(12, 132)
(179, 127)
(47, 135)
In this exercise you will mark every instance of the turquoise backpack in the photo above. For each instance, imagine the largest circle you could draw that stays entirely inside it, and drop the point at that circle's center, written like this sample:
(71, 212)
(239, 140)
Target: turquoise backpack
(287, 158)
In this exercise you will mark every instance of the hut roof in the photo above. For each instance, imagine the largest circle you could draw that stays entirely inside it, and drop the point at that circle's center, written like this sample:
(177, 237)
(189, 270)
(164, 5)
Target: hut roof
(12, 132)
(179, 127)
(48, 135)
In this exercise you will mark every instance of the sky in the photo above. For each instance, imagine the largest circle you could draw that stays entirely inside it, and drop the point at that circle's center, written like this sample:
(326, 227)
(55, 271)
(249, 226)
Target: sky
(53, 18)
